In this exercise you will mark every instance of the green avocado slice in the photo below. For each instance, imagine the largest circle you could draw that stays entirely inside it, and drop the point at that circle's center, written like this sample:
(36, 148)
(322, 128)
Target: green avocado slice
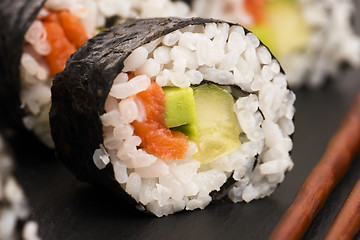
(180, 110)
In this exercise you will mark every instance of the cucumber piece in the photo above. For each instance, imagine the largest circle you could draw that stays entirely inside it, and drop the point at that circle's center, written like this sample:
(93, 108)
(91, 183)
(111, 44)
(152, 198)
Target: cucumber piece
(217, 127)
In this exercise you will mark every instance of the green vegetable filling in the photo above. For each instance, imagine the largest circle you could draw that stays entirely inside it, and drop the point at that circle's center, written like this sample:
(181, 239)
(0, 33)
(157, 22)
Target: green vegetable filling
(217, 126)
(180, 106)
(205, 114)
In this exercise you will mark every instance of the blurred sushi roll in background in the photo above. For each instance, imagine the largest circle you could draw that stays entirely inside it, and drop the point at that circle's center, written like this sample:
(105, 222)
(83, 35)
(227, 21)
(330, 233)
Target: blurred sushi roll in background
(311, 39)
(37, 37)
(14, 210)
(175, 113)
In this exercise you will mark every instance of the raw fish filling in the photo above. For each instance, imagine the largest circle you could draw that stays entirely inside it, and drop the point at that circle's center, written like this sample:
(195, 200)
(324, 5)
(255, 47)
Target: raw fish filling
(155, 137)
(49, 42)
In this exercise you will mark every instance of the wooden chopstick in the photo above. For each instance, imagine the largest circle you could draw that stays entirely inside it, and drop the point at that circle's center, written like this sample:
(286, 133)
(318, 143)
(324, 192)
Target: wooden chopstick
(347, 222)
(323, 178)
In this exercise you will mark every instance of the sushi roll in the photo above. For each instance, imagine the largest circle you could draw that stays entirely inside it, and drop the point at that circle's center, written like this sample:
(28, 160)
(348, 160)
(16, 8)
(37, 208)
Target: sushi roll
(311, 39)
(14, 209)
(37, 37)
(173, 113)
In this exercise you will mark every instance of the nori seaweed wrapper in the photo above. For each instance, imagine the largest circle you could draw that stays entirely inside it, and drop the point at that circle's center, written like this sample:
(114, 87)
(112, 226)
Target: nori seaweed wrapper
(16, 16)
(80, 91)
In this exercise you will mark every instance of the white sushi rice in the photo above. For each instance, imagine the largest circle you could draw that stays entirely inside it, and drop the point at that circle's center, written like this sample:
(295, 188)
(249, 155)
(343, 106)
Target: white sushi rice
(35, 78)
(226, 56)
(13, 204)
(332, 37)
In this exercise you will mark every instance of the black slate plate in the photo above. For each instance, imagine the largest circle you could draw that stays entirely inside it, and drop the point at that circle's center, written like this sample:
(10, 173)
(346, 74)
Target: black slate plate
(67, 209)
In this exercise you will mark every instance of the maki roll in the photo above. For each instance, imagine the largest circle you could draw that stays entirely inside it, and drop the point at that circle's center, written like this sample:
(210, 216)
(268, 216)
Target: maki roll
(38, 36)
(14, 210)
(174, 113)
(311, 39)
